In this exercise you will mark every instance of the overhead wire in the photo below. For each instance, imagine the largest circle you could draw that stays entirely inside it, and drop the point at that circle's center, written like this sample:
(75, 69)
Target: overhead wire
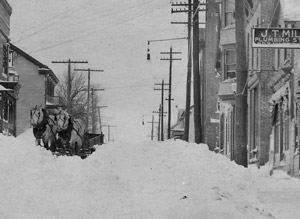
(56, 18)
(94, 31)
(108, 14)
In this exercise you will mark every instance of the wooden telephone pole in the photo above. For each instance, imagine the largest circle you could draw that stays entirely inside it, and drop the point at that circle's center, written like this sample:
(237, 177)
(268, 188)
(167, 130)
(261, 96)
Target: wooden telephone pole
(189, 66)
(171, 59)
(192, 9)
(196, 74)
(89, 85)
(152, 127)
(93, 108)
(162, 108)
(240, 141)
(160, 131)
(69, 89)
(108, 130)
(99, 115)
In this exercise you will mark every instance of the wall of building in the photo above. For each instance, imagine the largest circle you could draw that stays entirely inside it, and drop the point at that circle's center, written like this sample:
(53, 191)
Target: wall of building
(261, 63)
(32, 91)
(5, 13)
(211, 82)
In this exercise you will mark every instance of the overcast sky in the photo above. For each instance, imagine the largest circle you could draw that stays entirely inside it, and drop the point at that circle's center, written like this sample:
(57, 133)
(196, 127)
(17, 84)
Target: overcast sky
(111, 35)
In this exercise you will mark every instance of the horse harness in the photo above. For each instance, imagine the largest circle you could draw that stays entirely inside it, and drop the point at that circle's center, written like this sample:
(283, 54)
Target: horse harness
(39, 129)
(66, 133)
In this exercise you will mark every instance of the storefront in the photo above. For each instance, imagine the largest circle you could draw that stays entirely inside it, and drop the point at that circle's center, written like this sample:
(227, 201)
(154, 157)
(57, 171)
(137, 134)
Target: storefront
(8, 104)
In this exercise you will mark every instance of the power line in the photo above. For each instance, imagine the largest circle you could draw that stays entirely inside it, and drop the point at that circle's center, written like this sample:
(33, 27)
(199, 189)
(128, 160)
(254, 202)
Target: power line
(56, 18)
(92, 32)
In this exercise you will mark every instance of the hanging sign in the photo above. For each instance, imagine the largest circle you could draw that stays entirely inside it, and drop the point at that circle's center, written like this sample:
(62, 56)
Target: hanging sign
(275, 38)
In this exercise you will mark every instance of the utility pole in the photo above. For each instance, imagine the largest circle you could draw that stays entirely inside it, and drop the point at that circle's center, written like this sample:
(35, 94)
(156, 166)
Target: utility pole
(170, 86)
(188, 77)
(69, 88)
(99, 115)
(196, 74)
(240, 143)
(158, 128)
(162, 107)
(152, 127)
(189, 67)
(89, 85)
(161, 114)
(93, 109)
(108, 130)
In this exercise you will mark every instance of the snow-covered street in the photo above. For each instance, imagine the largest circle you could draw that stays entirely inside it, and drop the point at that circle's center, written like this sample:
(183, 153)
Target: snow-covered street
(140, 179)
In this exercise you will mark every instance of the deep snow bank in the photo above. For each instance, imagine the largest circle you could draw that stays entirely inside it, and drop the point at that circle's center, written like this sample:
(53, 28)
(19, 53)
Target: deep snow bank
(171, 179)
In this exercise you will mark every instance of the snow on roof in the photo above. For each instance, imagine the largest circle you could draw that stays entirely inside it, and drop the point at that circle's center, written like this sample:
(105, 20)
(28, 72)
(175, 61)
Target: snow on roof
(290, 10)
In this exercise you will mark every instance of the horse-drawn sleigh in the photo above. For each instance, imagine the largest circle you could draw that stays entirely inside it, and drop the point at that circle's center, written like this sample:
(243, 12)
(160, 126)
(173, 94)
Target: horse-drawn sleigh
(57, 131)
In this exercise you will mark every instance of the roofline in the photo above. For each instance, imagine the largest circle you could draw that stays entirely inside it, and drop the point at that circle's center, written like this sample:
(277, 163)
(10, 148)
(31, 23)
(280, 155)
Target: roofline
(27, 56)
(34, 61)
(7, 7)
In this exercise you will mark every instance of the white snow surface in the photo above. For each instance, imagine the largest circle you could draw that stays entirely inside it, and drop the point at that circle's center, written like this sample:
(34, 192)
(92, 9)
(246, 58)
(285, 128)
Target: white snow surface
(140, 180)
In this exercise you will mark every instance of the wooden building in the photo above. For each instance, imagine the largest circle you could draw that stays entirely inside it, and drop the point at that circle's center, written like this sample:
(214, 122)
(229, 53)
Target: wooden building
(37, 83)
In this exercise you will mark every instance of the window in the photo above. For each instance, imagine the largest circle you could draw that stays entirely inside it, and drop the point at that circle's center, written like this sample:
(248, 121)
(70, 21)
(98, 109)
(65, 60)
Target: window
(229, 12)
(248, 7)
(277, 129)
(5, 59)
(10, 59)
(286, 132)
(230, 63)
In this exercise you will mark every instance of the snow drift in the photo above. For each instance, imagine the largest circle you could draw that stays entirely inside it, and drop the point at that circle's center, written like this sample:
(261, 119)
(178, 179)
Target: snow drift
(161, 180)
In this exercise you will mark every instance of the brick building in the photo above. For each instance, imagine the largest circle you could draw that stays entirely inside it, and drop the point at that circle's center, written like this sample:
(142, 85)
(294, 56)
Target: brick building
(258, 14)
(284, 100)
(227, 74)
(260, 66)
(273, 86)
(209, 67)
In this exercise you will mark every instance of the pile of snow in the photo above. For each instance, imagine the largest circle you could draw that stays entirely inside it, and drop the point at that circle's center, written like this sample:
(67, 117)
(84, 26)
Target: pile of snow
(161, 180)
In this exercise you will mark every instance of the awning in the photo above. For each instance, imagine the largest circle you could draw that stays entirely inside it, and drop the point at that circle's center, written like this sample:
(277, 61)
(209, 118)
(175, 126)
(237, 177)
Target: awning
(9, 84)
(3, 88)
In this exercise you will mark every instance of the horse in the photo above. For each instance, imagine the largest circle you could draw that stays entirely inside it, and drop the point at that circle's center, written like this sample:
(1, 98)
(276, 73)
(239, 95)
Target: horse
(44, 128)
(70, 132)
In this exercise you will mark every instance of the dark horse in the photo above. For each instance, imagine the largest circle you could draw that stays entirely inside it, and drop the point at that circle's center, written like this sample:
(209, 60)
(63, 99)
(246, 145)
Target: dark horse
(44, 128)
(70, 132)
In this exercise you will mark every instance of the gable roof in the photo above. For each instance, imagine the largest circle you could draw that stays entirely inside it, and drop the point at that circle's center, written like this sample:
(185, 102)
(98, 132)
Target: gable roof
(43, 69)
(27, 56)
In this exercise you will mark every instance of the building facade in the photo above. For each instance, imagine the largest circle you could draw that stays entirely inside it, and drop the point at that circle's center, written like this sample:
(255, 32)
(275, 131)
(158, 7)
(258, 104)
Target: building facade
(37, 83)
(9, 86)
(273, 86)
(260, 68)
(209, 66)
